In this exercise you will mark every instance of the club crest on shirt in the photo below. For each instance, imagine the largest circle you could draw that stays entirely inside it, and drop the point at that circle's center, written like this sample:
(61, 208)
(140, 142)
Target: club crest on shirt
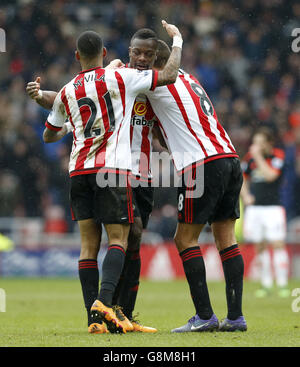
(140, 108)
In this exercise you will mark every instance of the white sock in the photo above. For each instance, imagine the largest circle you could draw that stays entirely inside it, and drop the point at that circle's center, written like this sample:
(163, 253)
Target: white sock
(266, 277)
(281, 266)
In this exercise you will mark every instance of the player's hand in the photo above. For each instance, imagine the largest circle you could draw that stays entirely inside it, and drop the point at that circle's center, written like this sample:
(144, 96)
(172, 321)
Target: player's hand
(255, 150)
(33, 88)
(115, 64)
(171, 29)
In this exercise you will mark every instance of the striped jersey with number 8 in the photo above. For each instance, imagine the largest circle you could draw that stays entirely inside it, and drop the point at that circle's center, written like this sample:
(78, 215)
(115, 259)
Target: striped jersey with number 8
(189, 123)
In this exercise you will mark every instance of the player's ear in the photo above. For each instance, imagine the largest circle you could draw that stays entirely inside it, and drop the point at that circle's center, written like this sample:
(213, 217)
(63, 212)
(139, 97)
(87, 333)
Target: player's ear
(104, 52)
(77, 55)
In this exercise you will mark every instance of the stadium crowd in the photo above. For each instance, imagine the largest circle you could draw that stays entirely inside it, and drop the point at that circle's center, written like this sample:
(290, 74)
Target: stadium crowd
(240, 50)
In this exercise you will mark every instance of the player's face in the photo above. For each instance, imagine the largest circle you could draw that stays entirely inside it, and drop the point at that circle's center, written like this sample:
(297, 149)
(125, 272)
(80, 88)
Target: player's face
(142, 54)
(261, 141)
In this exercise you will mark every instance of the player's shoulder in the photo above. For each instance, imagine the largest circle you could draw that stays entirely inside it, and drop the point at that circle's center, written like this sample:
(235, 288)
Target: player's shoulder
(66, 91)
(61, 94)
(133, 78)
(184, 74)
(70, 84)
(125, 72)
(131, 71)
(278, 153)
(278, 159)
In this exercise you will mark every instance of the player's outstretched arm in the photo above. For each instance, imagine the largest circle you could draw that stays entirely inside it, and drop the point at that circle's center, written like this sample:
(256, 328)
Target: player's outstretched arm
(46, 99)
(169, 73)
(43, 98)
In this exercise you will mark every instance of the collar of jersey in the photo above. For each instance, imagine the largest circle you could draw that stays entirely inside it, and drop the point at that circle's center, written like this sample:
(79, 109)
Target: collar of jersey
(84, 71)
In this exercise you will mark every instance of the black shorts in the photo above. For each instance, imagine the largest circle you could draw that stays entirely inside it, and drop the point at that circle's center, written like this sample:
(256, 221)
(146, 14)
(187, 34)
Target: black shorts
(222, 184)
(143, 199)
(108, 205)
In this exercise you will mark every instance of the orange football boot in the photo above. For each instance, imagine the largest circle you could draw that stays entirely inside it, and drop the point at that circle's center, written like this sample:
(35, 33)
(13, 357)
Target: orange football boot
(108, 315)
(137, 326)
(123, 320)
(97, 328)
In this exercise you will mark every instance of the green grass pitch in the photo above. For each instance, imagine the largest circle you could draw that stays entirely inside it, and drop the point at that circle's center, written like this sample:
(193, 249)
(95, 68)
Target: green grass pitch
(50, 313)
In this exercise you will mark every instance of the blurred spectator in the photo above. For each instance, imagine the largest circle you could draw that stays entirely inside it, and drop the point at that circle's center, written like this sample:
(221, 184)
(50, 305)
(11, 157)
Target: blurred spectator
(291, 177)
(55, 221)
(9, 193)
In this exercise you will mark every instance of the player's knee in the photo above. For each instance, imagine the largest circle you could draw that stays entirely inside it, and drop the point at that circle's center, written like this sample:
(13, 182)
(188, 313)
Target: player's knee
(180, 242)
(117, 234)
(89, 253)
(116, 237)
(224, 233)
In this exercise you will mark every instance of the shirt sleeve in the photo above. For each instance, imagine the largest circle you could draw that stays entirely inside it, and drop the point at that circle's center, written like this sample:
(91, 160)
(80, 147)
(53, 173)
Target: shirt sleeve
(277, 163)
(138, 81)
(58, 115)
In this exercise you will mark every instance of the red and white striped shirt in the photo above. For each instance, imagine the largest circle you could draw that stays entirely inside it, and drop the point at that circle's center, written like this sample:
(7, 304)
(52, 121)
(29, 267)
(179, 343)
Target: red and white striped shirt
(98, 103)
(189, 123)
(142, 122)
